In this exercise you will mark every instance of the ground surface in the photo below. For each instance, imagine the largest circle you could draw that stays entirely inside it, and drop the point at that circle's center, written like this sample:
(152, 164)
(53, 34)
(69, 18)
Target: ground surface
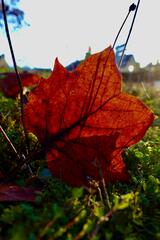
(62, 212)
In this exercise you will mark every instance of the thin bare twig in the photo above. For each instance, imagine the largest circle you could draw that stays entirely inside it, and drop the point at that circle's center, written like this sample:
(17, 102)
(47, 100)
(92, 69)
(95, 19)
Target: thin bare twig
(27, 146)
(132, 8)
(130, 30)
(9, 141)
(22, 159)
(98, 165)
(102, 220)
(120, 30)
(17, 75)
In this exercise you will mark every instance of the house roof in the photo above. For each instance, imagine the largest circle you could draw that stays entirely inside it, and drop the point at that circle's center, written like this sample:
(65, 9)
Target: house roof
(73, 65)
(126, 60)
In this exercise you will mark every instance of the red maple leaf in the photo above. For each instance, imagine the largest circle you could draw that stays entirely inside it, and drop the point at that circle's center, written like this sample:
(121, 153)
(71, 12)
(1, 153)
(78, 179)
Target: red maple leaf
(85, 121)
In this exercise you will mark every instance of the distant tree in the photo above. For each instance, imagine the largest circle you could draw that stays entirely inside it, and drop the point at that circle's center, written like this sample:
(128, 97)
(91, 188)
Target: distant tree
(15, 15)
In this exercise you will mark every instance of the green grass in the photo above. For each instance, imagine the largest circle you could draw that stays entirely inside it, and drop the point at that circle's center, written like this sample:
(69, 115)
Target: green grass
(62, 212)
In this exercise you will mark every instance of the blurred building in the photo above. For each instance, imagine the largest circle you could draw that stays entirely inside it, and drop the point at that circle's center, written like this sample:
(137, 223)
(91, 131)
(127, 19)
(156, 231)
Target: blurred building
(153, 70)
(3, 63)
(128, 65)
(72, 66)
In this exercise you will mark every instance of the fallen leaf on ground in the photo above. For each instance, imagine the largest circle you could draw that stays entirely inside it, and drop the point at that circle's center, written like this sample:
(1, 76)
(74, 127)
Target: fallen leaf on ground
(85, 122)
(16, 193)
(9, 84)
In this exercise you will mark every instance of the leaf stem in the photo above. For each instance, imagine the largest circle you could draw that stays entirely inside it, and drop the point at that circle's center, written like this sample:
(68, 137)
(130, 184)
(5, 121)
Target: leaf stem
(120, 29)
(131, 8)
(130, 30)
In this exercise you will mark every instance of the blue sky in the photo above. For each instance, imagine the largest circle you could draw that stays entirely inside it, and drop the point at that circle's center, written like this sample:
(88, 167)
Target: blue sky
(66, 28)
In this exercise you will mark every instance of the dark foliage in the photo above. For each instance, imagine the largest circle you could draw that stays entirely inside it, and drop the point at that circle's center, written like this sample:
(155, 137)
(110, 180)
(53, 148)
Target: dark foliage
(15, 15)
